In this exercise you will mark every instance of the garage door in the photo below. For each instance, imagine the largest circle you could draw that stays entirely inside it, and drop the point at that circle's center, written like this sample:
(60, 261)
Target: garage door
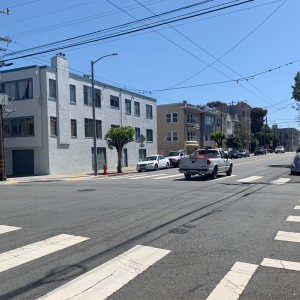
(23, 162)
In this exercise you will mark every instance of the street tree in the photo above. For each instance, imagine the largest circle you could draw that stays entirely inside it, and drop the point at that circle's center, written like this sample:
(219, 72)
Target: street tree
(216, 104)
(243, 132)
(270, 136)
(118, 138)
(257, 119)
(296, 92)
(218, 137)
(233, 141)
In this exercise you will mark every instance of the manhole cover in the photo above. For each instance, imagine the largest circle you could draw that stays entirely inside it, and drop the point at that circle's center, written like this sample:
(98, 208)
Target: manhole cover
(189, 226)
(87, 190)
(178, 231)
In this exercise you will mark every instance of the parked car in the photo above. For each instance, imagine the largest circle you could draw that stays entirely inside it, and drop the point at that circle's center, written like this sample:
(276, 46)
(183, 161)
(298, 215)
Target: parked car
(174, 157)
(260, 151)
(271, 150)
(295, 166)
(245, 153)
(235, 154)
(280, 149)
(298, 150)
(153, 162)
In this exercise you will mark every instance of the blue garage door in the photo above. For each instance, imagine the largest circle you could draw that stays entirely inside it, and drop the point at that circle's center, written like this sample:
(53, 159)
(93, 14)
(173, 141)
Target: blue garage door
(23, 162)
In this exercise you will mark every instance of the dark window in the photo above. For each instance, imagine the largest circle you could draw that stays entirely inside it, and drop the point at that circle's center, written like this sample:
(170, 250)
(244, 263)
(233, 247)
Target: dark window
(52, 88)
(87, 95)
(72, 93)
(21, 89)
(168, 118)
(115, 126)
(136, 108)
(53, 125)
(149, 135)
(97, 98)
(88, 127)
(18, 127)
(127, 106)
(137, 133)
(175, 117)
(218, 122)
(114, 101)
(149, 111)
(73, 128)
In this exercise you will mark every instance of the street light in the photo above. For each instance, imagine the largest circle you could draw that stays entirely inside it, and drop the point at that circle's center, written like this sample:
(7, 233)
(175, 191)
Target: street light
(94, 116)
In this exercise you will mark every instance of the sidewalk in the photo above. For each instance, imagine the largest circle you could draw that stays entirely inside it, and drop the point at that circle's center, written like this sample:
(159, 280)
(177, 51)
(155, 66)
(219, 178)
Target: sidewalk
(85, 175)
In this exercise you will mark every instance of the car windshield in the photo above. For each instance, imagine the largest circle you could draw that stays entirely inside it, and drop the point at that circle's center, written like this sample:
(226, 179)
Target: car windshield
(260, 148)
(208, 153)
(235, 151)
(242, 151)
(174, 153)
(148, 158)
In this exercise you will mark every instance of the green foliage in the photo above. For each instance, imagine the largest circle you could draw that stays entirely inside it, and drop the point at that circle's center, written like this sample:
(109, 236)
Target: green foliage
(296, 88)
(218, 137)
(233, 141)
(216, 104)
(243, 133)
(118, 138)
(257, 119)
(269, 137)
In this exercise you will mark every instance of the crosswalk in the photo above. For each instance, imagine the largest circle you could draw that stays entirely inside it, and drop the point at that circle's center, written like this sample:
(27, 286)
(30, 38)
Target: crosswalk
(100, 282)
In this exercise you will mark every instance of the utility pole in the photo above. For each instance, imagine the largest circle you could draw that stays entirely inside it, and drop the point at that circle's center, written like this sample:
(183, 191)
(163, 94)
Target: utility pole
(266, 131)
(221, 117)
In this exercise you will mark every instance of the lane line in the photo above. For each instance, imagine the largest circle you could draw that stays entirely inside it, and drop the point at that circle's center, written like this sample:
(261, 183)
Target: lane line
(249, 179)
(74, 179)
(234, 282)
(297, 207)
(281, 181)
(141, 177)
(248, 162)
(33, 251)
(5, 229)
(106, 279)
(288, 236)
(293, 219)
(177, 175)
(281, 264)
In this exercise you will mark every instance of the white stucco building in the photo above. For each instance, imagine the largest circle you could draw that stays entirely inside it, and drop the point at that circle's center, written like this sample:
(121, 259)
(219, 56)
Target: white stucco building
(50, 131)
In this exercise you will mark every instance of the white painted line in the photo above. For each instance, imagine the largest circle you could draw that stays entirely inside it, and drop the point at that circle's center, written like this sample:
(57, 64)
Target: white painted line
(297, 207)
(281, 181)
(225, 177)
(5, 229)
(280, 264)
(147, 176)
(293, 219)
(177, 175)
(30, 252)
(288, 236)
(234, 282)
(106, 279)
(249, 179)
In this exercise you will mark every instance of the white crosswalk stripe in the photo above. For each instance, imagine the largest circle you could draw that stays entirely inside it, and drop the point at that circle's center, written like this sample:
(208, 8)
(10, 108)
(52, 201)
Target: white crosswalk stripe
(281, 181)
(146, 176)
(170, 176)
(5, 229)
(281, 264)
(293, 219)
(297, 207)
(33, 251)
(249, 179)
(288, 236)
(106, 279)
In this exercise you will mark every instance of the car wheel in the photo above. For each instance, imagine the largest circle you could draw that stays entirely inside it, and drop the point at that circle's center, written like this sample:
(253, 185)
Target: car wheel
(187, 176)
(139, 171)
(156, 167)
(229, 172)
(292, 173)
(214, 174)
(167, 166)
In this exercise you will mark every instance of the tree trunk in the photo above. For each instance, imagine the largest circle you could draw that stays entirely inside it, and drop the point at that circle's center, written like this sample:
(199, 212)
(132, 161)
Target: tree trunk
(119, 160)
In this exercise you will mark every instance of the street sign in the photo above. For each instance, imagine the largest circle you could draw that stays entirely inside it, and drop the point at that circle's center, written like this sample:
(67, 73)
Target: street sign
(142, 139)
(142, 145)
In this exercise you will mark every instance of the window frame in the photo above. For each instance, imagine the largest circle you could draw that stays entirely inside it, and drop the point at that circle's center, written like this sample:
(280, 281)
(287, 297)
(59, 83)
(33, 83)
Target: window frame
(149, 130)
(191, 136)
(190, 118)
(219, 122)
(127, 101)
(173, 117)
(18, 127)
(139, 108)
(207, 117)
(172, 136)
(135, 132)
(98, 136)
(16, 88)
(116, 100)
(74, 136)
(73, 85)
(51, 96)
(151, 111)
(53, 135)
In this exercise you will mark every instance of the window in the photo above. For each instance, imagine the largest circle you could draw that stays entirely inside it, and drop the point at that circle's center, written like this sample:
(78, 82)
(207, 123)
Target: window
(142, 154)
(136, 108)
(218, 122)
(137, 133)
(149, 135)
(18, 127)
(53, 127)
(243, 113)
(192, 136)
(72, 93)
(149, 111)
(127, 106)
(172, 136)
(21, 89)
(172, 118)
(88, 97)
(191, 118)
(228, 124)
(88, 128)
(206, 137)
(115, 126)
(175, 117)
(73, 128)
(168, 118)
(114, 101)
(209, 120)
(52, 88)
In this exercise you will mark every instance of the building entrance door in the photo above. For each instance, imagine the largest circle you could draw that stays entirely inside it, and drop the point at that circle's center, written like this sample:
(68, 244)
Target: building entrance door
(101, 158)
(23, 162)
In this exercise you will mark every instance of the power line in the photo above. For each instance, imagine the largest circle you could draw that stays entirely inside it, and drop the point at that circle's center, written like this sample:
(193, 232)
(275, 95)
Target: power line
(24, 4)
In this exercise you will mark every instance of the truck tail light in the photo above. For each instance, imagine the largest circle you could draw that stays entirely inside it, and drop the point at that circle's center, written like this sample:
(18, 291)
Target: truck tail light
(208, 162)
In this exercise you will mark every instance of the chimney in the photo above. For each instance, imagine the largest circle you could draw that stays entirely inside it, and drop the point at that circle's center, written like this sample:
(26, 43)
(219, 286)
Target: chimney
(60, 62)
(184, 102)
(86, 76)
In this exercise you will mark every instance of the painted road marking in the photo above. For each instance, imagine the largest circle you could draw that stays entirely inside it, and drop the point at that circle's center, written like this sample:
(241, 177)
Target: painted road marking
(33, 251)
(249, 179)
(141, 177)
(234, 282)
(5, 229)
(288, 236)
(281, 264)
(225, 177)
(177, 175)
(281, 181)
(75, 179)
(297, 207)
(293, 219)
(10, 181)
(248, 162)
(106, 279)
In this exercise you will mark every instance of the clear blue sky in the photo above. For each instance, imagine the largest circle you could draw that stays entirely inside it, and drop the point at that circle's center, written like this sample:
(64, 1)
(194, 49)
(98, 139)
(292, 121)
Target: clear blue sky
(148, 61)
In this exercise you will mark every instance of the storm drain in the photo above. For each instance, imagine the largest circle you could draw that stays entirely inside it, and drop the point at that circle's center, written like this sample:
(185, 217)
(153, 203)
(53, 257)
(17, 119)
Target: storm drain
(189, 226)
(178, 231)
(87, 190)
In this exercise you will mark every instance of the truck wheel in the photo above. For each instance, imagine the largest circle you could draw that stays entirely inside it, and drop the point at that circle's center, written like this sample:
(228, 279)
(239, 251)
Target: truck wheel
(187, 176)
(214, 174)
(167, 166)
(139, 171)
(229, 172)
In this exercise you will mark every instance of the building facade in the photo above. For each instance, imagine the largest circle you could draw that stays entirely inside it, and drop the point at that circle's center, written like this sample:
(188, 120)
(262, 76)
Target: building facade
(51, 129)
(288, 137)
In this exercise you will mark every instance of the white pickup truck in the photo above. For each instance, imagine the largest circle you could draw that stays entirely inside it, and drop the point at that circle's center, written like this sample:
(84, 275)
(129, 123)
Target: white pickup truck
(207, 162)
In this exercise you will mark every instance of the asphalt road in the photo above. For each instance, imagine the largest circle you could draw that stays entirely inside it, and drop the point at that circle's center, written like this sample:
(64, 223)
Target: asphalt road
(207, 226)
